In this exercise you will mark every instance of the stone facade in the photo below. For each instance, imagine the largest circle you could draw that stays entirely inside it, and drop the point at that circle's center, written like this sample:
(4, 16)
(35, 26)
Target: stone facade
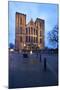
(28, 35)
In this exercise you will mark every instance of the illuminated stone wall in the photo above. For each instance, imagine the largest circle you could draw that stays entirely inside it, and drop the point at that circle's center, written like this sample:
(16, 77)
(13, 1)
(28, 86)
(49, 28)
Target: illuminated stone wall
(28, 34)
(20, 30)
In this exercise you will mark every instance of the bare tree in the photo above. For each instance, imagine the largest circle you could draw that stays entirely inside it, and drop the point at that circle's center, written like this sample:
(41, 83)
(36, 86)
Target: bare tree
(53, 36)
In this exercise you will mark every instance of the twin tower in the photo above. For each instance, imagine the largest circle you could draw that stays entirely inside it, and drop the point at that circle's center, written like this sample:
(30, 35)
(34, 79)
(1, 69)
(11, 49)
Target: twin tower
(28, 36)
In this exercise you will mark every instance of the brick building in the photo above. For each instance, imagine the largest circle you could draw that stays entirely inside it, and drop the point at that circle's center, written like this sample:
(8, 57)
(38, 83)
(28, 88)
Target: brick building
(28, 36)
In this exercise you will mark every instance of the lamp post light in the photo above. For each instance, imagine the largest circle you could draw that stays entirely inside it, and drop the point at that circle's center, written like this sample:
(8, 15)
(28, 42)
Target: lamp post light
(24, 44)
(31, 52)
(11, 50)
(24, 47)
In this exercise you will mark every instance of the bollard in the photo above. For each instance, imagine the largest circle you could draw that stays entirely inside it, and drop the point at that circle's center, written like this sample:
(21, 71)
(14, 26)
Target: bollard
(45, 67)
(40, 57)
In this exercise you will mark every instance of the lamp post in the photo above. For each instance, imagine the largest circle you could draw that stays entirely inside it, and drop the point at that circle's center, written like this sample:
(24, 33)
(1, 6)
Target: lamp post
(24, 44)
(31, 52)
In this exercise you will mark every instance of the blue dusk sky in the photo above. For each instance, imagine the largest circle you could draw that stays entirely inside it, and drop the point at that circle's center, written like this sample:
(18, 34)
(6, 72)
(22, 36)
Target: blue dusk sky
(48, 12)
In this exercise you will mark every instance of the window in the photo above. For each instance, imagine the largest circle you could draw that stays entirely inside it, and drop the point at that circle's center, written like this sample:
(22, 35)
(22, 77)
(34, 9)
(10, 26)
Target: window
(26, 31)
(29, 38)
(29, 30)
(40, 33)
(37, 27)
(20, 31)
(21, 39)
(34, 31)
(40, 40)
(34, 39)
(26, 38)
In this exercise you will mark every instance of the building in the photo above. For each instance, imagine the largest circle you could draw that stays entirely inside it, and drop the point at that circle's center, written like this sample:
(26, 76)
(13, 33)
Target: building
(28, 36)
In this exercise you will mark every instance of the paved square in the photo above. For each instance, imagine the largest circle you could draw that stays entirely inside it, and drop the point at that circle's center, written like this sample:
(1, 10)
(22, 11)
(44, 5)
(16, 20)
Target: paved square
(26, 72)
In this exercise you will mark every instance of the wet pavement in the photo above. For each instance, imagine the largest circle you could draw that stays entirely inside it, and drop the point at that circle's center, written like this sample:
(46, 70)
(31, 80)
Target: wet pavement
(29, 72)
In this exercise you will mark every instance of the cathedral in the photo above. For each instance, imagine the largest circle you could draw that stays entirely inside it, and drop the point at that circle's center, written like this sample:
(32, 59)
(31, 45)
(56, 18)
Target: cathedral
(28, 36)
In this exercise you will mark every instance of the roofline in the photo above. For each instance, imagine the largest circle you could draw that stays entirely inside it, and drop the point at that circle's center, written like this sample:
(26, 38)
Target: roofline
(40, 19)
(20, 13)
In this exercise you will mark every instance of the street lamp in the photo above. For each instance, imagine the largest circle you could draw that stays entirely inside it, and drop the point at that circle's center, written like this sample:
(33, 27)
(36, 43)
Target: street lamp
(24, 44)
(30, 52)
(11, 50)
